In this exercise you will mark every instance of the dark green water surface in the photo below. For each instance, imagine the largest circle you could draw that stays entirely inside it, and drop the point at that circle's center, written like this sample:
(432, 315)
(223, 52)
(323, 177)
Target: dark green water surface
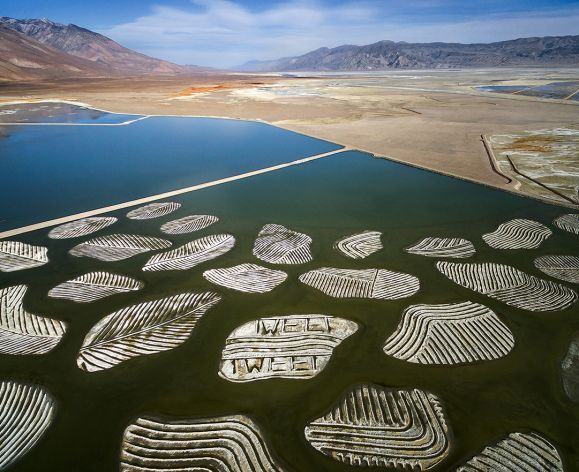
(326, 199)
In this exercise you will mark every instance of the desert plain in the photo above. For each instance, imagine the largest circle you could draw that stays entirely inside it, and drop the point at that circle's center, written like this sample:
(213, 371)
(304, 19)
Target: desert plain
(430, 119)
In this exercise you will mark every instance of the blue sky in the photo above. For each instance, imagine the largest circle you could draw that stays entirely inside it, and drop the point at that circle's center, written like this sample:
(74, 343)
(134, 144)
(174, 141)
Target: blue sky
(227, 32)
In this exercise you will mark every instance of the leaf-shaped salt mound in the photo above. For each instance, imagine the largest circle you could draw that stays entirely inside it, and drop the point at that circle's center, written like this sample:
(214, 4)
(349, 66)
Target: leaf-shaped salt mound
(293, 347)
(143, 329)
(277, 244)
(26, 411)
(153, 210)
(443, 247)
(518, 452)
(365, 283)
(454, 333)
(94, 286)
(361, 245)
(189, 224)
(116, 247)
(191, 254)
(15, 255)
(22, 332)
(82, 227)
(570, 370)
(510, 285)
(376, 426)
(518, 234)
(220, 444)
(249, 278)
(561, 267)
(568, 222)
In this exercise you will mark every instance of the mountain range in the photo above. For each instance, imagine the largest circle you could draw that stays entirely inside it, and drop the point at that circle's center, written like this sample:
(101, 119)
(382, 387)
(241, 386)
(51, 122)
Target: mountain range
(386, 55)
(40, 48)
(37, 49)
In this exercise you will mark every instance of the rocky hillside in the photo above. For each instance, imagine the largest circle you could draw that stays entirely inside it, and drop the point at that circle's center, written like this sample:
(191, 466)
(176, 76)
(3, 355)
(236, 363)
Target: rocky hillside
(24, 58)
(384, 55)
(103, 52)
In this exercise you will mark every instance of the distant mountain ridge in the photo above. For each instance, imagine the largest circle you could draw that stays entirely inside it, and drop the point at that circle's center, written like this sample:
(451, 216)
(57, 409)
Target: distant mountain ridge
(107, 56)
(386, 55)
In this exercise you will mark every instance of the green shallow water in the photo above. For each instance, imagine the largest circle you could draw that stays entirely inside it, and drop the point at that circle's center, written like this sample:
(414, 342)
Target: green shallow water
(326, 199)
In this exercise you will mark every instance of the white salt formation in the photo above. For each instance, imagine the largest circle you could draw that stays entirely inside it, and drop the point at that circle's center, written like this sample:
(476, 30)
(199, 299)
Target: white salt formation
(518, 452)
(568, 222)
(561, 267)
(26, 412)
(189, 224)
(518, 234)
(361, 245)
(293, 347)
(373, 426)
(116, 247)
(448, 334)
(143, 329)
(93, 286)
(277, 244)
(510, 285)
(364, 283)
(82, 227)
(15, 255)
(191, 254)
(248, 278)
(22, 332)
(570, 370)
(153, 210)
(220, 444)
(443, 247)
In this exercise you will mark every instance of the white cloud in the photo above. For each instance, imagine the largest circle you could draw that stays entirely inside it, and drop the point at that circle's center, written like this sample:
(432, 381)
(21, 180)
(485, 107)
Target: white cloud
(223, 33)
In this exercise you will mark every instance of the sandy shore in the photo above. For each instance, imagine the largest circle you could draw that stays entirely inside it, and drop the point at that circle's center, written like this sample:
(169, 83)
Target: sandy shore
(433, 121)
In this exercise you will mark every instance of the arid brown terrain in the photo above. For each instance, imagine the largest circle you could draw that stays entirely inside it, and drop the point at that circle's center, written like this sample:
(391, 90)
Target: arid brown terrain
(438, 119)
(434, 120)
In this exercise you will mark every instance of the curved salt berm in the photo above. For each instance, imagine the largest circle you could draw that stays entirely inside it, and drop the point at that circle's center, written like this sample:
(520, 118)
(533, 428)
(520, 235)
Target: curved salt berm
(365, 283)
(570, 370)
(360, 245)
(189, 224)
(560, 267)
(116, 247)
(449, 334)
(509, 285)
(292, 347)
(247, 278)
(21, 332)
(143, 329)
(26, 412)
(153, 210)
(381, 427)
(82, 227)
(225, 444)
(518, 234)
(518, 452)
(191, 254)
(277, 244)
(443, 247)
(568, 222)
(15, 255)
(93, 286)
